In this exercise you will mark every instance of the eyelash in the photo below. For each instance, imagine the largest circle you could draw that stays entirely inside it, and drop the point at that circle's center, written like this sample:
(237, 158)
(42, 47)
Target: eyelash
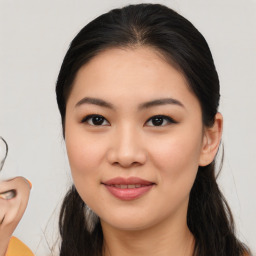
(167, 118)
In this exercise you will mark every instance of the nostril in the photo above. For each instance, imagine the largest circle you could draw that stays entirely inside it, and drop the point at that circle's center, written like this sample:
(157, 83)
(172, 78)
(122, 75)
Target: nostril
(126, 157)
(127, 165)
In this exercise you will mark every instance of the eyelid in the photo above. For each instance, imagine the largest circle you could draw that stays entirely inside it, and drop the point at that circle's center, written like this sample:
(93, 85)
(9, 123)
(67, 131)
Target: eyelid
(86, 118)
(168, 118)
(164, 117)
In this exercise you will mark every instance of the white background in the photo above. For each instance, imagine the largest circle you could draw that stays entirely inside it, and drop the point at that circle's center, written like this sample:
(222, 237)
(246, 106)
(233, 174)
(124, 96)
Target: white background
(34, 36)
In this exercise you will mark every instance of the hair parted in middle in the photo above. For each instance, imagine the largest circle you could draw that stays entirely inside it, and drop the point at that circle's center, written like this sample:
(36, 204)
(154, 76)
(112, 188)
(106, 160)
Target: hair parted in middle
(181, 45)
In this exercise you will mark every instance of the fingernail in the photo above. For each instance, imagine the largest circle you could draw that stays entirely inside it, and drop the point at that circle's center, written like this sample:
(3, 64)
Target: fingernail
(29, 182)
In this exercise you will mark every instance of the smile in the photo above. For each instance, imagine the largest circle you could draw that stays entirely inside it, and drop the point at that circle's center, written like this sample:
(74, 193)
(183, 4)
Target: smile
(128, 188)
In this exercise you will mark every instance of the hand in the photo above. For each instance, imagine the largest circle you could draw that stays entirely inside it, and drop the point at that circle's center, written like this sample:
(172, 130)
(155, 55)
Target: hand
(14, 195)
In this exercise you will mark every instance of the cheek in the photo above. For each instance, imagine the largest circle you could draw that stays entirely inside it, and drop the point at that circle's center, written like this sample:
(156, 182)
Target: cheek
(176, 158)
(85, 152)
(83, 156)
(177, 166)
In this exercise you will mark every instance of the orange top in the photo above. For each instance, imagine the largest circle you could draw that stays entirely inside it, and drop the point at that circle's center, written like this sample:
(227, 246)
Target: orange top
(17, 248)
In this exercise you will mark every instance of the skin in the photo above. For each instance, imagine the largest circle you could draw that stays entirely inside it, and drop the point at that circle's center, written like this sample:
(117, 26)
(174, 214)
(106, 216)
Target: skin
(12, 210)
(128, 143)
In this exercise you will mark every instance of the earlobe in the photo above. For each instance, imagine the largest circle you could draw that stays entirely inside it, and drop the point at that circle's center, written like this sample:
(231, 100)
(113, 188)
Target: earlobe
(211, 141)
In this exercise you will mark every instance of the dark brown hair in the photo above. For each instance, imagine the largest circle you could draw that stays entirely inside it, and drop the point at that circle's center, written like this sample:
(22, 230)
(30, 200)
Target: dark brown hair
(209, 217)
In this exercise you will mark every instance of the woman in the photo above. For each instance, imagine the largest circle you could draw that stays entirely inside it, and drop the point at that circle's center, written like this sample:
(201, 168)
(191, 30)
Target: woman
(138, 95)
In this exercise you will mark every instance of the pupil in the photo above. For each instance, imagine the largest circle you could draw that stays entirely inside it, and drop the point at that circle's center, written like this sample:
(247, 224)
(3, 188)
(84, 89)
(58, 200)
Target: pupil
(97, 120)
(157, 121)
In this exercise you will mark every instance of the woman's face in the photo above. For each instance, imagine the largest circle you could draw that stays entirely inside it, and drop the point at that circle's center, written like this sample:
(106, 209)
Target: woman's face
(134, 138)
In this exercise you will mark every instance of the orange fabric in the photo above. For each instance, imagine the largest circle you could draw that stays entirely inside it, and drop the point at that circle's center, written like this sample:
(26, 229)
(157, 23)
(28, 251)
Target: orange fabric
(17, 248)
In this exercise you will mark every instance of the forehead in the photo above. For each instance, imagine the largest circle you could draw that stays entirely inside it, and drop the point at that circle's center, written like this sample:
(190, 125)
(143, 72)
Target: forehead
(130, 75)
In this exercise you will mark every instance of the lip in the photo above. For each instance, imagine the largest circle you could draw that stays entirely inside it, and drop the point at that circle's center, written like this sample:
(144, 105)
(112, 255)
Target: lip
(128, 193)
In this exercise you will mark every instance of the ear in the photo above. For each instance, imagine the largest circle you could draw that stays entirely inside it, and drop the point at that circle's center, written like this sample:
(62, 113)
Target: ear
(211, 140)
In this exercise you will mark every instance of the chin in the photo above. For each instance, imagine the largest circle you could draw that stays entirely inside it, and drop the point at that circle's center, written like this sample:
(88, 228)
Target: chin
(129, 223)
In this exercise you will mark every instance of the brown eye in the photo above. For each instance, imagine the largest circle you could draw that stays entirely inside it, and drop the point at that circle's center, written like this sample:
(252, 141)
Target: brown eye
(161, 120)
(95, 120)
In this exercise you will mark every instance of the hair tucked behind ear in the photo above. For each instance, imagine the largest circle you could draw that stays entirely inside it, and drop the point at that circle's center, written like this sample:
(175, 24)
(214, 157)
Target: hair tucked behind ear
(180, 44)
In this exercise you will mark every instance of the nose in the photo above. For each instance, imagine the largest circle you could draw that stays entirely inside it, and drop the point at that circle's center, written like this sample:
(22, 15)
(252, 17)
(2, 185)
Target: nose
(127, 148)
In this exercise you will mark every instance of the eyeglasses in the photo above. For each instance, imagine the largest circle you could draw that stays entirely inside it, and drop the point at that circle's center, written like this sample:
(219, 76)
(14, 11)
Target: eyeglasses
(3, 152)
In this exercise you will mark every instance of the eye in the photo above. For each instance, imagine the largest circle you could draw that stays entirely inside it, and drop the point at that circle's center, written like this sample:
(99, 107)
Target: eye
(95, 120)
(160, 120)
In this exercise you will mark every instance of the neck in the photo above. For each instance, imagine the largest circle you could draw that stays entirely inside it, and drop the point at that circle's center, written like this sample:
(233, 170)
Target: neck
(158, 241)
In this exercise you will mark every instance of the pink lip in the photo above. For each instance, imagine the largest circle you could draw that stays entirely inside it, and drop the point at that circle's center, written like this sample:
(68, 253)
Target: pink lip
(128, 193)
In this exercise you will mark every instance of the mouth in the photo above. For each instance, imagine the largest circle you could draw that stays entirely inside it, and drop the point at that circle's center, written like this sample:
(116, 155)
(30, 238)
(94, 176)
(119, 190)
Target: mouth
(128, 188)
(123, 186)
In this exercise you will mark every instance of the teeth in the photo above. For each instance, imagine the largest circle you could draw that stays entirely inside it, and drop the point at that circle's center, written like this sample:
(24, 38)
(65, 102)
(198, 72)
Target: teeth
(122, 186)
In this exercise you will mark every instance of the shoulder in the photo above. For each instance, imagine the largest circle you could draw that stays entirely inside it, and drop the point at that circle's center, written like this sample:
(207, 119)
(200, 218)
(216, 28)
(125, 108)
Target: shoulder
(17, 248)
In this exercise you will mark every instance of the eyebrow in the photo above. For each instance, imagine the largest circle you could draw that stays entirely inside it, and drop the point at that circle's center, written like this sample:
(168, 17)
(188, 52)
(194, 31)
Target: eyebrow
(145, 105)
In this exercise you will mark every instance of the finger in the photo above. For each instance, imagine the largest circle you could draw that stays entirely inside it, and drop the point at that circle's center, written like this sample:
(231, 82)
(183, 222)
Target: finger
(14, 182)
(2, 211)
(13, 212)
(13, 201)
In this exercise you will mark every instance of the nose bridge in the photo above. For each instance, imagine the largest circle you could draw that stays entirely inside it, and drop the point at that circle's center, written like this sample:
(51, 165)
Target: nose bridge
(127, 146)
(128, 138)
